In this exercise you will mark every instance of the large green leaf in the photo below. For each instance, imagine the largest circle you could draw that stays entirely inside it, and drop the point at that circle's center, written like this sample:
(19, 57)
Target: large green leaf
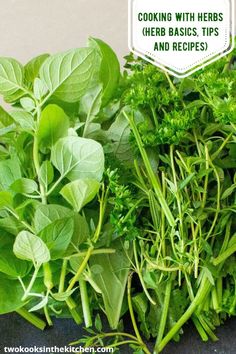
(78, 158)
(53, 125)
(68, 75)
(110, 273)
(9, 173)
(11, 293)
(57, 236)
(46, 214)
(109, 70)
(11, 265)
(11, 79)
(80, 192)
(29, 247)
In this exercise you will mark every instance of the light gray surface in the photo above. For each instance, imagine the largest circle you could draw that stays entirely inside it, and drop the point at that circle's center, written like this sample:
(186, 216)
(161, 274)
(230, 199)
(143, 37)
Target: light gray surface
(30, 27)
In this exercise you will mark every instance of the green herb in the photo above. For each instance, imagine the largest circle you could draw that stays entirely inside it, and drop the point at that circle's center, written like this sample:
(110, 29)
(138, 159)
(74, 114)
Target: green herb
(118, 194)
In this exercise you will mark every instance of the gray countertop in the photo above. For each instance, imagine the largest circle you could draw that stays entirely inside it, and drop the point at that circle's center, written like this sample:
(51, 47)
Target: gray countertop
(15, 331)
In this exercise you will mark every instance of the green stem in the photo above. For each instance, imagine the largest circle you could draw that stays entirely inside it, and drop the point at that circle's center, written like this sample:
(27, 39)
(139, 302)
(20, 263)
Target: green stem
(36, 160)
(85, 303)
(164, 315)
(200, 329)
(97, 251)
(62, 276)
(151, 173)
(81, 269)
(221, 258)
(33, 319)
(140, 275)
(26, 294)
(200, 296)
(131, 311)
(47, 316)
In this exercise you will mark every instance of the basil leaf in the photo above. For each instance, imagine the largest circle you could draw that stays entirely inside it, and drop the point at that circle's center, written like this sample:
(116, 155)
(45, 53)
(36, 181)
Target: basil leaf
(78, 158)
(80, 192)
(11, 265)
(11, 79)
(53, 125)
(29, 247)
(119, 136)
(110, 69)
(68, 75)
(27, 103)
(11, 293)
(57, 236)
(40, 89)
(46, 214)
(24, 186)
(24, 119)
(111, 279)
(46, 173)
(9, 173)
(80, 235)
(33, 66)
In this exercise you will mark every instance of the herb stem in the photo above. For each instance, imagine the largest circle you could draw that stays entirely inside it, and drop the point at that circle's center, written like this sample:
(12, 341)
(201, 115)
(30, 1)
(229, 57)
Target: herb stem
(33, 319)
(85, 303)
(34, 276)
(150, 172)
(62, 276)
(81, 269)
(200, 296)
(164, 314)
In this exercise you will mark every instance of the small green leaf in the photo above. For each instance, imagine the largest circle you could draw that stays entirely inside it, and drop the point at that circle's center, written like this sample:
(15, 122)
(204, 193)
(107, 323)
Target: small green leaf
(80, 192)
(29, 247)
(109, 70)
(24, 186)
(81, 234)
(24, 119)
(76, 158)
(46, 214)
(40, 89)
(53, 125)
(27, 103)
(57, 236)
(9, 173)
(11, 79)
(33, 66)
(46, 173)
(40, 305)
(228, 192)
